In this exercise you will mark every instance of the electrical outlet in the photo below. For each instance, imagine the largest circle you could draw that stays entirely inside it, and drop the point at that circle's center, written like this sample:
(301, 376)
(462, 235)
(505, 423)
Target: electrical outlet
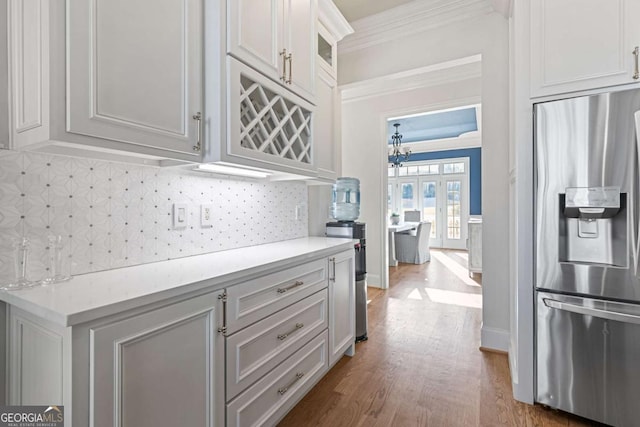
(206, 216)
(180, 215)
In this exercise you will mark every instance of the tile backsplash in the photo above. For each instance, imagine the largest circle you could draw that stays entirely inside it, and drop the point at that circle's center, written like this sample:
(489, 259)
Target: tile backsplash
(114, 215)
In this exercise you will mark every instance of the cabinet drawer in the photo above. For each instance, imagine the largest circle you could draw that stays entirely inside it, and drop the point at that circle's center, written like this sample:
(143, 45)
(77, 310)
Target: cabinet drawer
(267, 401)
(256, 350)
(258, 298)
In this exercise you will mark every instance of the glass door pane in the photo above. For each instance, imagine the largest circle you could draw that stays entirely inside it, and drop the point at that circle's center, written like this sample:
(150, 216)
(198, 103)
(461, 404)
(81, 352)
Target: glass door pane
(408, 199)
(390, 199)
(454, 220)
(430, 205)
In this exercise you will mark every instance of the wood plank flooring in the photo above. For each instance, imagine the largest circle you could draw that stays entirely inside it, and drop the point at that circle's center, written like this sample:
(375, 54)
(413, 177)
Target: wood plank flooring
(422, 365)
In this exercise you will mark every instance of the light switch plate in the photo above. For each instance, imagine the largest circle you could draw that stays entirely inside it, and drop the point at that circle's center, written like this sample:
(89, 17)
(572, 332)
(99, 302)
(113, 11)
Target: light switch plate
(206, 216)
(180, 216)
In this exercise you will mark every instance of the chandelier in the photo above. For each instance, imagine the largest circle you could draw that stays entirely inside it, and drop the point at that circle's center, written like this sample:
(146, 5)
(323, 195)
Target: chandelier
(397, 154)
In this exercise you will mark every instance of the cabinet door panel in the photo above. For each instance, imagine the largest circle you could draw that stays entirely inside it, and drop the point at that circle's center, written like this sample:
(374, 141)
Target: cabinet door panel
(581, 44)
(255, 33)
(325, 129)
(301, 39)
(342, 305)
(166, 358)
(135, 70)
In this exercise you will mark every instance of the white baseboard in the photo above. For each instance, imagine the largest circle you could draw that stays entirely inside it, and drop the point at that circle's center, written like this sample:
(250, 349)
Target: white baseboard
(373, 280)
(494, 339)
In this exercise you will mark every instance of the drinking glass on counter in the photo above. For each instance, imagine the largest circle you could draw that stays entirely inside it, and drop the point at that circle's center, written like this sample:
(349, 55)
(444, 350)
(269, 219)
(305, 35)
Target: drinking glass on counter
(54, 250)
(20, 259)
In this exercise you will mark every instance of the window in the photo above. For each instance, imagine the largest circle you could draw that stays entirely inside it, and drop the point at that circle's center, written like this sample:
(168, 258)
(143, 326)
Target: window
(453, 209)
(409, 202)
(457, 167)
(429, 169)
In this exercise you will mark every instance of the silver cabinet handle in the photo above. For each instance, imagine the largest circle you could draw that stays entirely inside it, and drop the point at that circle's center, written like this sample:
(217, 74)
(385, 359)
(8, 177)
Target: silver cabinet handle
(589, 311)
(290, 58)
(283, 390)
(198, 118)
(333, 270)
(283, 77)
(636, 73)
(295, 285)
(283, 337)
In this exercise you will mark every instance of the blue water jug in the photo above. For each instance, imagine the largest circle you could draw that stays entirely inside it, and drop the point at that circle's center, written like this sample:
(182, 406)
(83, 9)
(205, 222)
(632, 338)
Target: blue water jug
(346, 199)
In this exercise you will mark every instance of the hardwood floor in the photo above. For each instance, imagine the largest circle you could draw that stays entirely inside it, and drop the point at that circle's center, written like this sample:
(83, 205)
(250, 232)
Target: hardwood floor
(422, 365)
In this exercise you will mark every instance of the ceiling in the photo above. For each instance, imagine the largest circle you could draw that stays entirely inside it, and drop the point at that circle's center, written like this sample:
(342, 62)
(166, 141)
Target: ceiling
(357, 9)
(435, 125)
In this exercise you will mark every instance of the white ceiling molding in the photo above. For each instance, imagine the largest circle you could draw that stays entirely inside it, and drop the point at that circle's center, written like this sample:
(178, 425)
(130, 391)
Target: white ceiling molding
(332, 19)
(445, 144)
(433, 75)
(411, 18)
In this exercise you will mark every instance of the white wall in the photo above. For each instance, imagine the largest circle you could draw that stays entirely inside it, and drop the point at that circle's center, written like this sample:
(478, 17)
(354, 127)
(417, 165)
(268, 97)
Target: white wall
(364, 151)
(4, 79)
(486, 35)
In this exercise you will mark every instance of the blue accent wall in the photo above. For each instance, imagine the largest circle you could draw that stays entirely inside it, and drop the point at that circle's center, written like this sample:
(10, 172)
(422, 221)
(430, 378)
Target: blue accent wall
(475, 171)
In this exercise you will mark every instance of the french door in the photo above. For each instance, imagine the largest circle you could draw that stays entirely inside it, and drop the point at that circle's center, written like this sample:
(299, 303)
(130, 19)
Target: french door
(443, 199)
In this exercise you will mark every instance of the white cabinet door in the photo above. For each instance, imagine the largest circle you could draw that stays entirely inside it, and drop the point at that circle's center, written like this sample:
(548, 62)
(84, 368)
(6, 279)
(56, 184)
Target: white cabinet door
(277, 38)
(582, 44)
(134, 71)
(255, 34)
(326, 132)
(301, 42)
(171, 357)
(342, 304)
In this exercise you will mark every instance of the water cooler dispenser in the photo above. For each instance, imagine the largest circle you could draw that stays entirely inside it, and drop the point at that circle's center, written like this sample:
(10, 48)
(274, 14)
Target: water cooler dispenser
(346, 209)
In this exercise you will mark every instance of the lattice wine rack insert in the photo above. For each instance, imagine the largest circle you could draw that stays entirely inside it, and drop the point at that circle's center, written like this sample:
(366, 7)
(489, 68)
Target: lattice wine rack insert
(272, 124)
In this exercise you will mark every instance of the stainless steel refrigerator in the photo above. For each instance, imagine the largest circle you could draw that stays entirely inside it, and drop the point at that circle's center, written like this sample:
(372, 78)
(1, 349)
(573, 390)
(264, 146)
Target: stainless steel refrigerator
(587, 247)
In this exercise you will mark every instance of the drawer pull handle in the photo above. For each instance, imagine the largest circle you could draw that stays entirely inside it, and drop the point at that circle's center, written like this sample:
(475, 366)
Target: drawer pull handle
(283, 337)
(295, 285)
(283, 390)
(636, 71)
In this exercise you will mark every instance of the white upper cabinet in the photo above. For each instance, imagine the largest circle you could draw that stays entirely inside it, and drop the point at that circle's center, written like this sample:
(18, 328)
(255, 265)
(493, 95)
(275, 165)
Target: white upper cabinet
(583, 44)
(135, 71)
(326, 135)
(277, 38)
(327, 124)
(117, 77)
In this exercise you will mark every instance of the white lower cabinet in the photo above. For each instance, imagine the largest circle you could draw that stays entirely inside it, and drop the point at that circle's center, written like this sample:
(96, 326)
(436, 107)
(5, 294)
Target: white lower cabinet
(165, 364)
(342, 305)
(268, 400)
(256, 350)
(166, 358)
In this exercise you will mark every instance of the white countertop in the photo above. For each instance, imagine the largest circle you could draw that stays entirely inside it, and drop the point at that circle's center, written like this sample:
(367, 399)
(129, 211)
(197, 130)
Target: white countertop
(90, 296)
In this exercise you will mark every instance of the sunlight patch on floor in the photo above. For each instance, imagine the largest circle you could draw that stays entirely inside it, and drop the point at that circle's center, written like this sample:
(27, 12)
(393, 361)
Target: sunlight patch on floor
(461, 272)
(415, 294)
(462, 299)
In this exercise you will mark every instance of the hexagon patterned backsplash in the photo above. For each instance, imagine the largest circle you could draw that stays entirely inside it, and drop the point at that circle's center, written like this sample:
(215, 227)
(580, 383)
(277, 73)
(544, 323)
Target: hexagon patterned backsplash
(114, 215)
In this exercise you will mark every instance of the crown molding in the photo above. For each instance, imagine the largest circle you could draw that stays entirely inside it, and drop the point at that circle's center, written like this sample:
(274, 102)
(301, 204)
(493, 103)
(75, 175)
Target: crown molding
(429, 76)
(411, 18)
(332, 19)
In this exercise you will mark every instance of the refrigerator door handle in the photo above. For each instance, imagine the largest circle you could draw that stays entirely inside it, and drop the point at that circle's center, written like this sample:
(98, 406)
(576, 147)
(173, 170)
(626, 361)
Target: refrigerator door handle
(589, 311)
